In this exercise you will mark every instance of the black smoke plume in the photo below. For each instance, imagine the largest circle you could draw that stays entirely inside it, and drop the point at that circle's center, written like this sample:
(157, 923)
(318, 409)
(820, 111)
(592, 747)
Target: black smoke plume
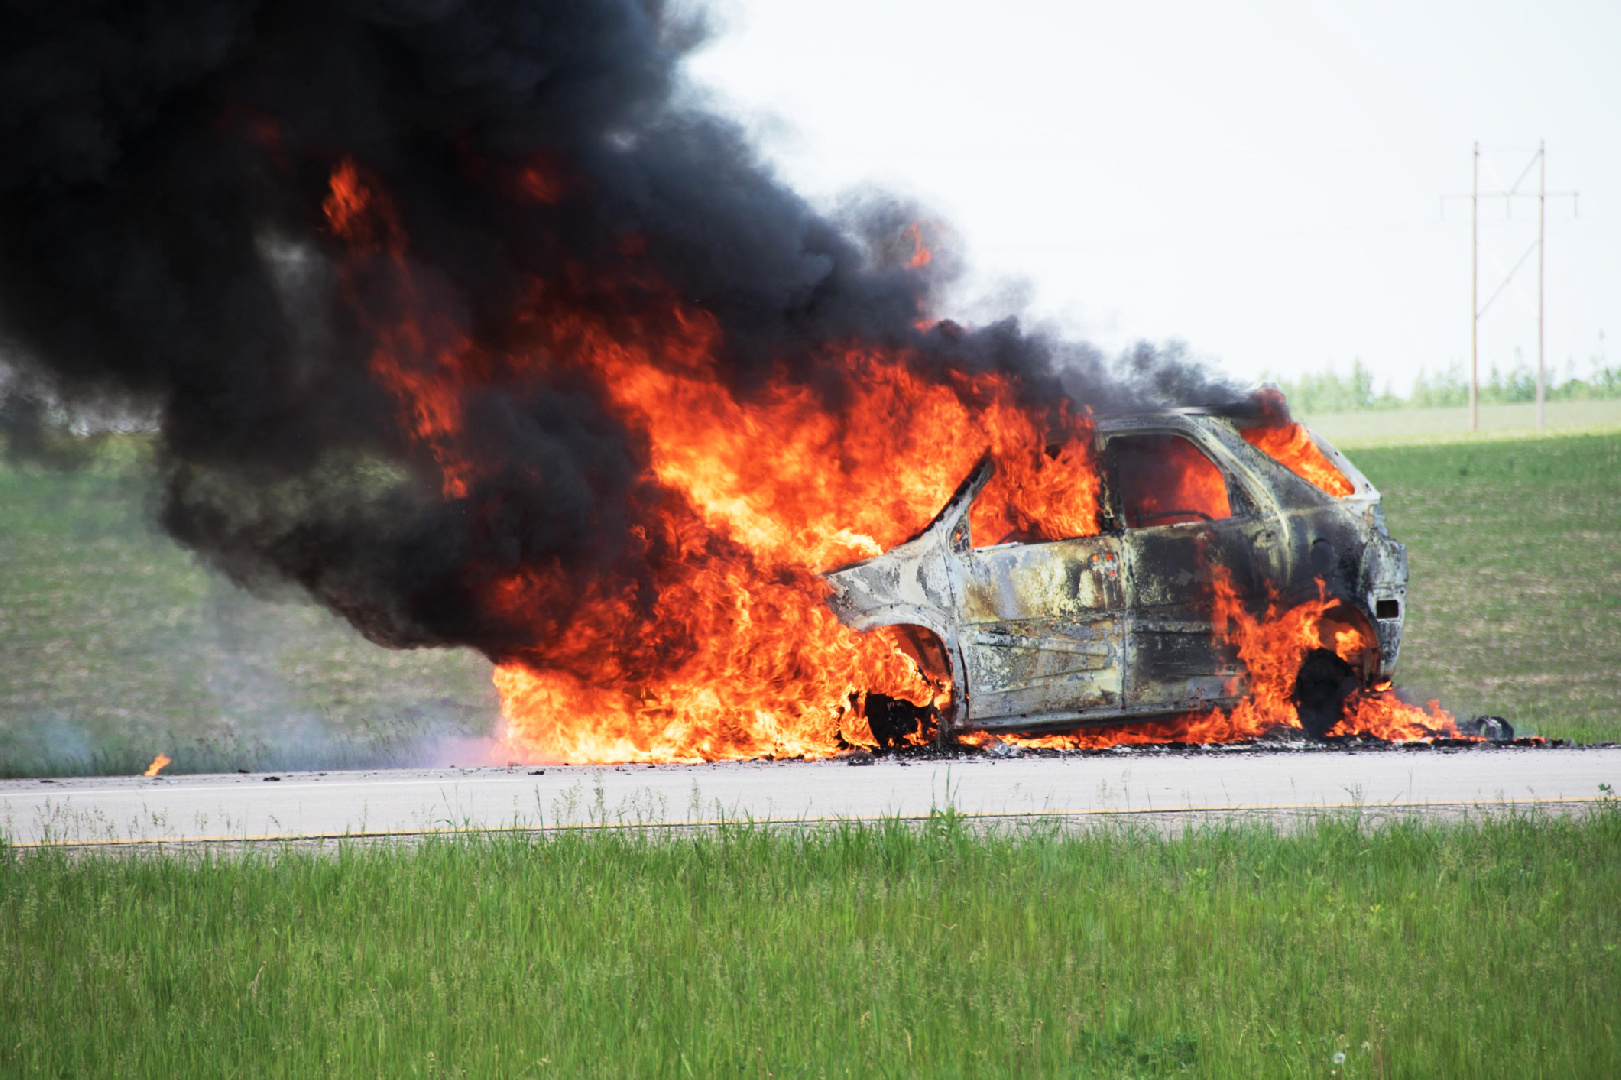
(162, 171)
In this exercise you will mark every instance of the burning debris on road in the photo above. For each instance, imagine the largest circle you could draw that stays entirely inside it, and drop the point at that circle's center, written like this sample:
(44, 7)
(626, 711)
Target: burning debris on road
(467, 320)
(1474, 733)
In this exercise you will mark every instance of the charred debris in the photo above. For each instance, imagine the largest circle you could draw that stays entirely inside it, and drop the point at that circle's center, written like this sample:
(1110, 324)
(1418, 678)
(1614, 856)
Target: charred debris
(925, 743)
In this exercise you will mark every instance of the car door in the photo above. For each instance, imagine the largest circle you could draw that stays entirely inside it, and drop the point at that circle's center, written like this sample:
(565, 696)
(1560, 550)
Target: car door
(1042, 630)
(1180, 518)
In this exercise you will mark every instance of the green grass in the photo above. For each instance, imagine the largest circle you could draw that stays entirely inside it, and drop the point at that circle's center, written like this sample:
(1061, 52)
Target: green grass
(1515, 554)
(1484, 949)
(115, 643)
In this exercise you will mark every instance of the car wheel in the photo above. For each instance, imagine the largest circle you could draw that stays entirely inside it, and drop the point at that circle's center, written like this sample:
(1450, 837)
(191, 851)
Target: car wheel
(893, 719)
(1321, 687)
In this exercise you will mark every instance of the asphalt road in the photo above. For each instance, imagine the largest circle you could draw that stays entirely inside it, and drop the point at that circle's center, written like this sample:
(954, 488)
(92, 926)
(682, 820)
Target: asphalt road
(124, 810)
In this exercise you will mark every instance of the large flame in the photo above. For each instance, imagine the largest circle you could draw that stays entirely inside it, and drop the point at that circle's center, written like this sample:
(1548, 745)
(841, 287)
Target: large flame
(730, 651)
(765, 494)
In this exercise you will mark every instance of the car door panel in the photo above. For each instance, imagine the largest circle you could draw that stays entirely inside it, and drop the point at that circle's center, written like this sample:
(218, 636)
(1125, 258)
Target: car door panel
(1043, 632)
(1173, 659)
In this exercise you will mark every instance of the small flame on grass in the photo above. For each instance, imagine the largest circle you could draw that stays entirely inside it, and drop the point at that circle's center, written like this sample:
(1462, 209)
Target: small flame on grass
(157, 763)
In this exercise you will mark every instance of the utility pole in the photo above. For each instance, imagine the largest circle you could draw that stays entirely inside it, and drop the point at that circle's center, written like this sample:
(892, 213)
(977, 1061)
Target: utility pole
(1539, 160)
(1474, 296)
(1542, 246)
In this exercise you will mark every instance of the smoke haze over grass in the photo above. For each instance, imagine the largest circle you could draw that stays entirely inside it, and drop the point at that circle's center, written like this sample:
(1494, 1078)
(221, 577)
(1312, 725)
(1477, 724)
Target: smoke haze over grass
(116, 644)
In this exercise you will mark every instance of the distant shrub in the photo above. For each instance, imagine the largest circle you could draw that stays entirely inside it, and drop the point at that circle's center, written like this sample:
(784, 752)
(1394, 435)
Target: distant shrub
(1329, 391)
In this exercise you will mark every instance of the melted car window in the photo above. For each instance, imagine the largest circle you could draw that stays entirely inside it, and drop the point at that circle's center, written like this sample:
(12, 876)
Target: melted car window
(1165, 480)
(1290, 445)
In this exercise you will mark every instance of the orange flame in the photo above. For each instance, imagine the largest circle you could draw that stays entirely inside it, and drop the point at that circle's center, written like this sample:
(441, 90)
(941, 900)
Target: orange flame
(770, 492)
(1291, 446)
(922, 254)
(421, 356)
(1272, 649)
(1185, 486)
(157, 763)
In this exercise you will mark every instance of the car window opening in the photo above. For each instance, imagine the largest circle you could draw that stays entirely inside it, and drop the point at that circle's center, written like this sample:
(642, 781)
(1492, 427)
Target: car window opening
(1162, 479)
(990, 527)
(1291, 446)
(985, 536)
(1056, 500)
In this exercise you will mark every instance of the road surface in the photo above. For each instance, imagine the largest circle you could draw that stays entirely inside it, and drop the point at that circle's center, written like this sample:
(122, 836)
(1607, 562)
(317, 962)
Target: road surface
(1143, 786)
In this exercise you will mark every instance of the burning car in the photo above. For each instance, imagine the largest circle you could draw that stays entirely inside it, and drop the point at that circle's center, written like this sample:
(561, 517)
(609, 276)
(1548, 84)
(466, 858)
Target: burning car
(1200, 509)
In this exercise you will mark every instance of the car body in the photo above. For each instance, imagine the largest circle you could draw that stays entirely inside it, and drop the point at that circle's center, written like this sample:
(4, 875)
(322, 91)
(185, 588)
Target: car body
(1118, 627)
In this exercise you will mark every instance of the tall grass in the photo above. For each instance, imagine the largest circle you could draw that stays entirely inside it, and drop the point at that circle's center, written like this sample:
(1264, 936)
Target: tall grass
(1482, 949)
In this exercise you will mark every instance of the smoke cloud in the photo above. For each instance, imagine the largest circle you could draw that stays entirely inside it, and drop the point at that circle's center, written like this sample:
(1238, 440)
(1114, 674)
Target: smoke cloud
(163, 242)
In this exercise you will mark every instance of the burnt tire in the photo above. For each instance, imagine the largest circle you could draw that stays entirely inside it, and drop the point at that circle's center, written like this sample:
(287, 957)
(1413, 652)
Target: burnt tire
(893, 719)
(1321, 688)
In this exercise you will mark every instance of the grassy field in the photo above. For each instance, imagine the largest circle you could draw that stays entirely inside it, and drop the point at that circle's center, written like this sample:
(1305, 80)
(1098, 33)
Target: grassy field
(1515, 601)
(1478, 950)
(1402, 427)
(116, 644)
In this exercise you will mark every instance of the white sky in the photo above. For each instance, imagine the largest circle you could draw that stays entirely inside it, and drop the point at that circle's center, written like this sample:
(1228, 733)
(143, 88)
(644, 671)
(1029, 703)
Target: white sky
(1261, 181)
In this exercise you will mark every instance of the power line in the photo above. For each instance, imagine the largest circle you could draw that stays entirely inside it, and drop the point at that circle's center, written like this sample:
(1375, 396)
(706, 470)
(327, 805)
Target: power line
(1539, 162)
